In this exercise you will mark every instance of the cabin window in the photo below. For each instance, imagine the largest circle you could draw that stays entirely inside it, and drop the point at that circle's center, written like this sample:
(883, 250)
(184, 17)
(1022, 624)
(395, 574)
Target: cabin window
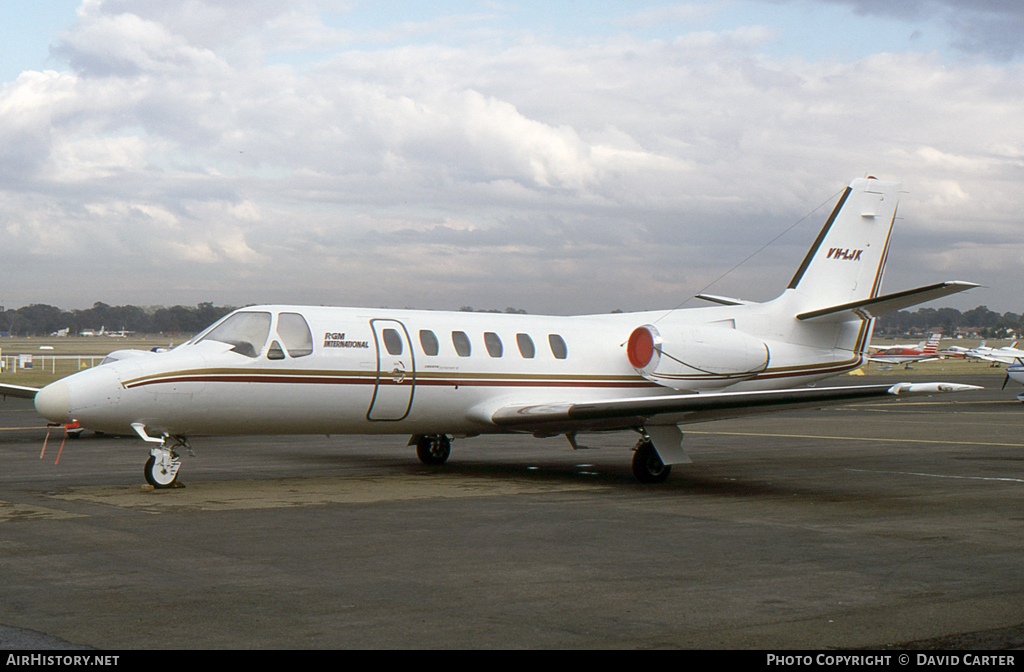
(294, 331)
(245, 332)
(429, 342)
(558, 348)
(461, 343)
(493, 343)
(275, 351)
(525, 344)
(392, 341)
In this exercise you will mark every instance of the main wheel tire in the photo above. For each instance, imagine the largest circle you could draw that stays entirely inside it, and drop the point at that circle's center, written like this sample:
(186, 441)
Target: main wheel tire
(157, 476)
(433, 450)
(647, 465)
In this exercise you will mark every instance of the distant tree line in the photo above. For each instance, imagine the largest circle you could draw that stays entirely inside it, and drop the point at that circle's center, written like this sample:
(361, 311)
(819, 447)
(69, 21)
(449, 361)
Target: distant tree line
(981, 321)
(42, 320)
(510, 310)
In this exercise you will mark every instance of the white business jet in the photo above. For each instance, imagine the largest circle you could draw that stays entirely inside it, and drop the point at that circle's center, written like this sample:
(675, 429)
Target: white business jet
(438, 375)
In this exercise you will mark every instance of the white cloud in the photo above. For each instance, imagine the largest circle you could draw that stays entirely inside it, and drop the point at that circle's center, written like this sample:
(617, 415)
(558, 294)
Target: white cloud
(128, 45)
(994, 28)
(685, 14)
(624, 172)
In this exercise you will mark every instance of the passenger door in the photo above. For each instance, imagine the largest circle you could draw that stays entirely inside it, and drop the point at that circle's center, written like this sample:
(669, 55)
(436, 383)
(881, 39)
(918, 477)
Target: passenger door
(396, 372)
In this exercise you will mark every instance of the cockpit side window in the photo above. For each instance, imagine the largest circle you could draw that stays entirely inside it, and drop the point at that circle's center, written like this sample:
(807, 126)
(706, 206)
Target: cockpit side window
(294, 332)
(245, 332)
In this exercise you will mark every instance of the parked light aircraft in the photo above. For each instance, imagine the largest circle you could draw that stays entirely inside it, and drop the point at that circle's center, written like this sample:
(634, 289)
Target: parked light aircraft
(982, 352)
(908, 355)
(438, 375)
(1005, 355)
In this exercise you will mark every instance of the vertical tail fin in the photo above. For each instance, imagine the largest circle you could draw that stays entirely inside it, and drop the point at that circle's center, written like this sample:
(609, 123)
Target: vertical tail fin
(932, 346)
(847, 260)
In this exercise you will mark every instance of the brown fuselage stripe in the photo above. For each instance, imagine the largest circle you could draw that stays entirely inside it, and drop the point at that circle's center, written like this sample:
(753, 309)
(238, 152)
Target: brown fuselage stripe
(384, 379)
(497, 381)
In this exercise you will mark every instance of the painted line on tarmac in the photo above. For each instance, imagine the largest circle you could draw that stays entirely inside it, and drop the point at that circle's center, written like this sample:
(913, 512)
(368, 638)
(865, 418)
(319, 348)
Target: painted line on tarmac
(859, 438)
(917, 473)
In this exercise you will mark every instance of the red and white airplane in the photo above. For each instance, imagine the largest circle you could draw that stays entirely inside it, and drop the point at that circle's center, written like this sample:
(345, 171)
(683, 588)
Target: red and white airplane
(901, 354)
(437, 375)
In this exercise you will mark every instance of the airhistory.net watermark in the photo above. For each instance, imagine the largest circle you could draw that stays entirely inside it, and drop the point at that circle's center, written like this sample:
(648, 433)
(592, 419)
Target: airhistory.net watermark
(51, 660)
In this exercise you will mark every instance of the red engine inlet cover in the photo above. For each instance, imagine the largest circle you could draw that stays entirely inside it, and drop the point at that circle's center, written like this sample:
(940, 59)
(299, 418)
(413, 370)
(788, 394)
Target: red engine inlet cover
(640, 348)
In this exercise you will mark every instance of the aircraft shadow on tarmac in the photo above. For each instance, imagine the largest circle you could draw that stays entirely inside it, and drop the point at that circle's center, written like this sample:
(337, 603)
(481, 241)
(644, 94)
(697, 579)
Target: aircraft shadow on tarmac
(691, 481)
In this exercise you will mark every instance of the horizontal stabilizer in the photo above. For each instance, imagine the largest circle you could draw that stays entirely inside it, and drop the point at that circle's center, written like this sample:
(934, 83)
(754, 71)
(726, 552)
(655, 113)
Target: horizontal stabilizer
(558, 418)
(20, 391)
(888, 303)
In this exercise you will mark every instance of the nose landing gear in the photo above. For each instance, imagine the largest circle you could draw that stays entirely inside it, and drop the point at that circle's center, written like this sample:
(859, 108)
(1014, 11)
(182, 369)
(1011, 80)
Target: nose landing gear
(161, 470)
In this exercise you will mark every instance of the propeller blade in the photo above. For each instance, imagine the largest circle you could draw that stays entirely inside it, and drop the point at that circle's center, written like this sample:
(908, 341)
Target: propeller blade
(1005, 382)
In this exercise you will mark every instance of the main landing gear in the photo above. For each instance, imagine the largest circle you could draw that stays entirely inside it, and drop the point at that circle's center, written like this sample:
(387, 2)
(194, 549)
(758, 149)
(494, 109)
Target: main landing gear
(647, 465)
(433, 449)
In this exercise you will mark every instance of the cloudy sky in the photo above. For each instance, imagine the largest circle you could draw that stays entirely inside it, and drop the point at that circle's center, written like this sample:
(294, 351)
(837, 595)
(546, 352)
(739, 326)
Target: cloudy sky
(560, 157)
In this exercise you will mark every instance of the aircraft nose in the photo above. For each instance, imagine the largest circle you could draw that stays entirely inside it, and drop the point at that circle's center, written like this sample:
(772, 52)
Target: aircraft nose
(53, 402)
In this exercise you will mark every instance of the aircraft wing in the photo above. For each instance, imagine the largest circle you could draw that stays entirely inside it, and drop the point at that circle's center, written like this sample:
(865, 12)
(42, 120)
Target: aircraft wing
(634, 412)
(902, 360)
(19, 391)
(1000, 357)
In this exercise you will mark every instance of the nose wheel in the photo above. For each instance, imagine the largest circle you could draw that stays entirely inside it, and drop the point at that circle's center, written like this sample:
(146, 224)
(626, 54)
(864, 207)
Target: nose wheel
(161, 470)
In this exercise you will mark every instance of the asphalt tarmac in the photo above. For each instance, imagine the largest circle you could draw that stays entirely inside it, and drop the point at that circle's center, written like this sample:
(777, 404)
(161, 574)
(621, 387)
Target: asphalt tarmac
(879, 524)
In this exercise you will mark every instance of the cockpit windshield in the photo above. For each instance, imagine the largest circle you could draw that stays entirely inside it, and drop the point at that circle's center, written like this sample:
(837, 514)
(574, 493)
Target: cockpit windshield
(245, 332)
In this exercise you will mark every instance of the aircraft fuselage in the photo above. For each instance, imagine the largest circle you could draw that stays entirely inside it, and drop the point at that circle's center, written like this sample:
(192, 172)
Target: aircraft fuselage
(426, 372)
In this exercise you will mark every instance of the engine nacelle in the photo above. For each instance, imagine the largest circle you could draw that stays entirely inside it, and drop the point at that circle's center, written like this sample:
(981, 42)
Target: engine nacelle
(697, 357)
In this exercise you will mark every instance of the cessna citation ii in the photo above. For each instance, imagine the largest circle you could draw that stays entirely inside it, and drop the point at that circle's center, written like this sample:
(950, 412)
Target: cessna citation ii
(437, 375)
